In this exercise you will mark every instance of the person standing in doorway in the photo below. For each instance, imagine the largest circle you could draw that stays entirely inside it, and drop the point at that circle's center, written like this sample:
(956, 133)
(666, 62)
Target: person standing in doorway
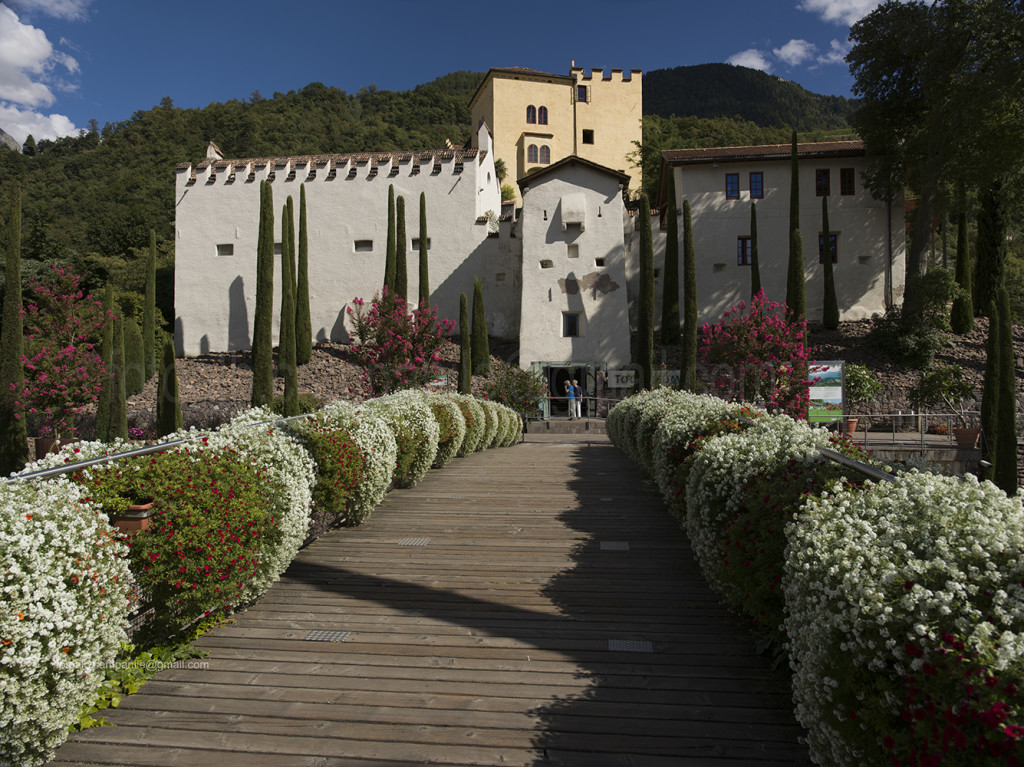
(570, 394)
(578, 395)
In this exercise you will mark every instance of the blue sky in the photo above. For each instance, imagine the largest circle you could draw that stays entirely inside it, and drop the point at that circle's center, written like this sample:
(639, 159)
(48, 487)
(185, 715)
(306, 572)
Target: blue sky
(64, 62)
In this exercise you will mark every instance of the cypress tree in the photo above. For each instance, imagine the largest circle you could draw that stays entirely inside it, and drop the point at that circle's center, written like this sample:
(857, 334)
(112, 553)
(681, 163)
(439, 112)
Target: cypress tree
(670, 286)
(794, 191)
(118, 406)
(990, 394)
(481, 353)
(401, 269)
(830, 311)
(29, 148)
(755, 267)
(303, 323)
(149, 312)
(688, 361)
(263, 319)
(134, 358)
(645, 312)
(286, 344)
(107, 354)
(991, 254)
(1006, 409)
(424, 281)
(465, 354)
(390, 254)
(795, 297)
(13, 433)
(961, 318)
(168, 403)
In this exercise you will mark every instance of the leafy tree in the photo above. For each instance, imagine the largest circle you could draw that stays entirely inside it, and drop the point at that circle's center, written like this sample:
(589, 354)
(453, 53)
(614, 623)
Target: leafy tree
(961, 319)
(303, 323)
(465, 352)
(29, 147)
(118, 427)
(755, 267)
(401, 242)
(262, 335)
(1006, 409)
(391, 254)
(481, 354)
(286, 336)
(168, 403)
(688, 363)
(107, 356)
(830, 311)
(644, 356)
(13, 434)
(149, 312)
(134, 354)
(670, 285)
(424, 275)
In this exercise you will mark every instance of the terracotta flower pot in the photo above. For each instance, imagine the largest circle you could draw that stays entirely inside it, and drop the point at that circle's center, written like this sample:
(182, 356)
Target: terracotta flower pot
(135, 518)
(967, 438)
(850, 425)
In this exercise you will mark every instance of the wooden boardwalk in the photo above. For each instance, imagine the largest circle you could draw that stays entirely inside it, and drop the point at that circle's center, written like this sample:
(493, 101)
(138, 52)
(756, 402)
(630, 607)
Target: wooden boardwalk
(533, 605)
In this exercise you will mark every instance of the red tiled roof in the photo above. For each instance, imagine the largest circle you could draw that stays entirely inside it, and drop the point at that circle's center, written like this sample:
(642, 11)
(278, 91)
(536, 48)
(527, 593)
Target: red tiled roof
(766, 152)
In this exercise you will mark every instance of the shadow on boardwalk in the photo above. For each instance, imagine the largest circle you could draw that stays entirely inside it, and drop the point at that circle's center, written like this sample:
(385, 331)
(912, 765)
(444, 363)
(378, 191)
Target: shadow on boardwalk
(530, 606)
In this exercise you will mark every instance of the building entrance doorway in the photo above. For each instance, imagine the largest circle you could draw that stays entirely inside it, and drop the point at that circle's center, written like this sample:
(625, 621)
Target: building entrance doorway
(557, 378)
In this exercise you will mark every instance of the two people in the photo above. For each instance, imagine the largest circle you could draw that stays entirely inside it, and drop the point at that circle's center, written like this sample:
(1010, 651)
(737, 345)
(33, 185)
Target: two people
(574, 394)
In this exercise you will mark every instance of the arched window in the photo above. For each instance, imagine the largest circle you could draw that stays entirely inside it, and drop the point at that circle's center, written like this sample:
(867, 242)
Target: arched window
(531, 153)
(542, 115)
(531, 113)
(545, 155)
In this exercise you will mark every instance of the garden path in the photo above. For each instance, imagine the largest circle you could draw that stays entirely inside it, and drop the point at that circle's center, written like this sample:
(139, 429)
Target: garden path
(533, 605)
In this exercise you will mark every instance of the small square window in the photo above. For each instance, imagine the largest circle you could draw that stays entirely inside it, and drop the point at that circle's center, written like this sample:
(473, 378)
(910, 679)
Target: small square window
(732, 186)
(499, 277)
(744, 251)
(226, 250)
(416, 243)
(570, 324)
(847, 181)
(364, 246)
(822, 183)
(757, 185)
(546, 263)
(572, 250)
(598, 262)
(582, 93)
(833, 242)
(588, 136)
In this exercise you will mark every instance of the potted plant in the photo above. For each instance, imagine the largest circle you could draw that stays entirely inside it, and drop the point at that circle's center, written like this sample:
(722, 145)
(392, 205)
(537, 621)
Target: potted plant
(861, 385)
(945, 386)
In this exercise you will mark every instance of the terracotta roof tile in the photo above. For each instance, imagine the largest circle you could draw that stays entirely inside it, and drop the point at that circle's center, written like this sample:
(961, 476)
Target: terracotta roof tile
(766, 152)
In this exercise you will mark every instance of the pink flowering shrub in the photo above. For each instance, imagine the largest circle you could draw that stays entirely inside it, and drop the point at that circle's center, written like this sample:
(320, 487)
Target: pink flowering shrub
(63, 367)
(397, 350)
(759, 356)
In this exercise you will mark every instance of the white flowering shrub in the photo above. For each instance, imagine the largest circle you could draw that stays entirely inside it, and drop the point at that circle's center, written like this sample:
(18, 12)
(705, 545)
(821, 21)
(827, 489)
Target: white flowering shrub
(513, 427)
(905, 612)
(490, 425)
(476, 423)
(452, 427)
(376, 441)
(65, 585)
(649, 415)
(624, 418)
(416, 433)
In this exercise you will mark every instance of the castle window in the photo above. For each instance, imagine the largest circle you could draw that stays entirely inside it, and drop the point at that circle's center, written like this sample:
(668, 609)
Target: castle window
(531, 114)
(499, 277)
(545, 155)
(598, 262)
(757, 185)
(572, 250)
(531, 153)
(588, 136)
(570, 324)
(822, 185)
(416, 243)
(546, 263)
(542, 115)
(732, 186)
(847, 181)
(744, 251)
(833, 246)
(226, 250)
(364, 246)
(582, 93)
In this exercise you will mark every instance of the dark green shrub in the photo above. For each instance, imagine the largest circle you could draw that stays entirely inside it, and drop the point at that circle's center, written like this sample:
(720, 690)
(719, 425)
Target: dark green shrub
(134, 358)
(307, 402)
(168, 402)
(914, 338)
(521, 390)
(479, 345)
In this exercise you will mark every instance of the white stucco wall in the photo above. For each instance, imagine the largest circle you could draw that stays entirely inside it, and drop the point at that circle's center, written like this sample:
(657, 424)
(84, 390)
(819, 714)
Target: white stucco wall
(215, 294)
(574, 282)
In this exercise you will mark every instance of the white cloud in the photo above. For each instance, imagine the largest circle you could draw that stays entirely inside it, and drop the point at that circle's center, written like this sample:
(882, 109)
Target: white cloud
(21, 122)
(837, 53)
(795, 52)
(27, 63)
(845, 12)
(752, 58)
(74, 10)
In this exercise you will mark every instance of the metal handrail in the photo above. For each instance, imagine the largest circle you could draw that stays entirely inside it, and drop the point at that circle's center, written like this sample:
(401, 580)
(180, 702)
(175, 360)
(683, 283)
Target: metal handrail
(852, 463)
(158, 448)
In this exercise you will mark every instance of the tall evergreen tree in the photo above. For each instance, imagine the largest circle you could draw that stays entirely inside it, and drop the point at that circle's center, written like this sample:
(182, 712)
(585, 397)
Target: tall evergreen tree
(303, 323)
(645, 304)
(286, 343)
(755, 266)
(465, 353)
(13, 434)
(480, 348)
(1006, 409)
(263, 319)
(107, 354)
(29, 147)
(168, 403)
(424, 277)
(688, 361)
(401, 252)
(391, 253)
(670, 285)
(118, 427)
(991, 253)
(830, 311)
(134, 358)
(990, 394)
(794, 191)
(961, 318)
(796, 298)
(149, 312)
